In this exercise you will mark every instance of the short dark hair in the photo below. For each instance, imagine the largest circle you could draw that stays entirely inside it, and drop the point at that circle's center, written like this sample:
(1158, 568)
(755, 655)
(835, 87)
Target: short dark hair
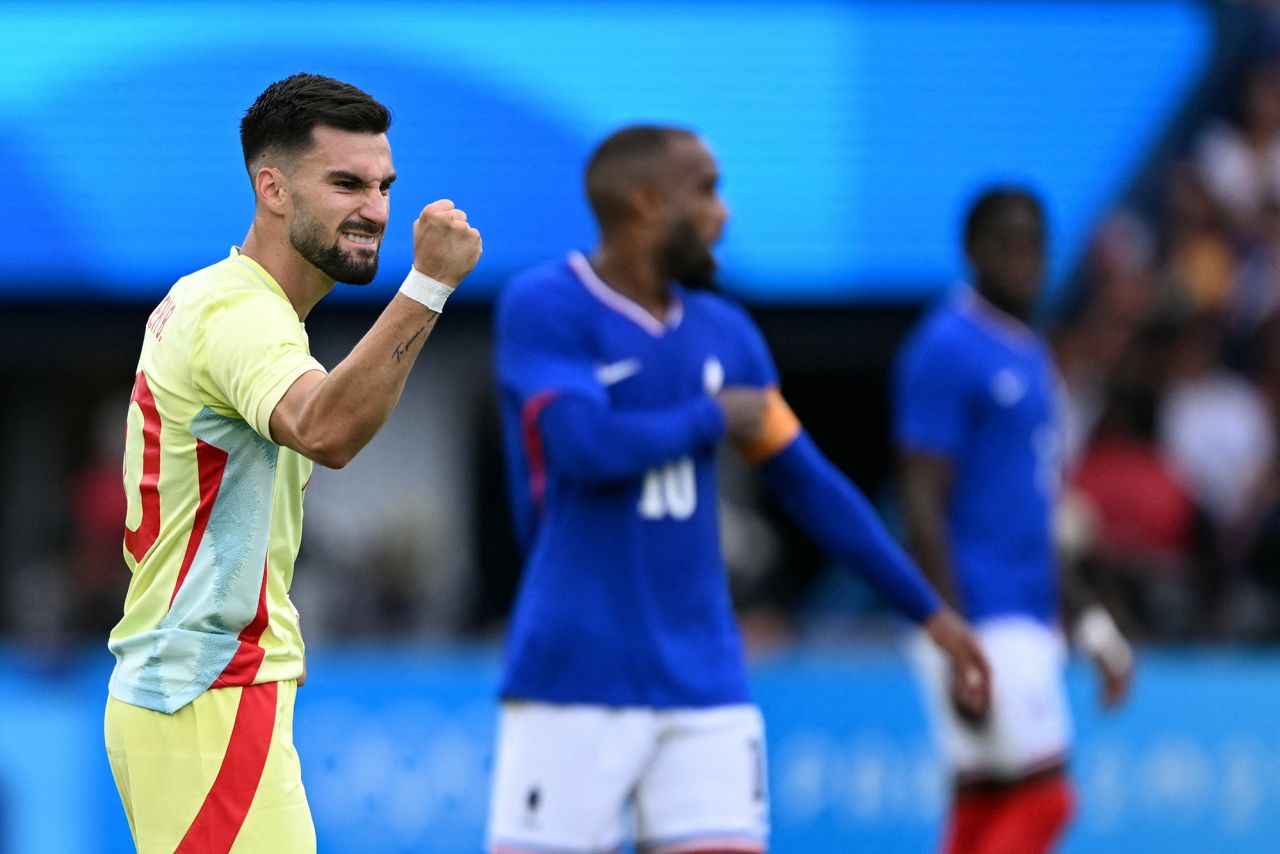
(288, 110)
(994, 200)
(624, 160)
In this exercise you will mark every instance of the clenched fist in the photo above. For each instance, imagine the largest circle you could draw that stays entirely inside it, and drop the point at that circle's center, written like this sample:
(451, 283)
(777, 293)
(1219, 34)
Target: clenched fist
(445, 246)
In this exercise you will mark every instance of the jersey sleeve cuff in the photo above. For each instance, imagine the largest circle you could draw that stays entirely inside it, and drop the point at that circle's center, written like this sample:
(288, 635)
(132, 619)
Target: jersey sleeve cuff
(267, 405)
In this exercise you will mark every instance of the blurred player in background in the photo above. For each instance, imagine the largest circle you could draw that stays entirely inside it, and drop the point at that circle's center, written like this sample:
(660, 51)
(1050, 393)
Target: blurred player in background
(229, 412)
(980, 442)
(625, 681)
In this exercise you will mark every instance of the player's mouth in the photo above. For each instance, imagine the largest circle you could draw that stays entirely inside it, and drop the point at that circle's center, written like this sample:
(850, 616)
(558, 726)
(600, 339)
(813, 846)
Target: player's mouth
(360, 240)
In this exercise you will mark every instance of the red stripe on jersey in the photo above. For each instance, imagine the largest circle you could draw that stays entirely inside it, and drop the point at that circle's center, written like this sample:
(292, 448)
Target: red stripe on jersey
(533, 445)
(244, 665)
(211, 462)
(139, 542)
(222, 814)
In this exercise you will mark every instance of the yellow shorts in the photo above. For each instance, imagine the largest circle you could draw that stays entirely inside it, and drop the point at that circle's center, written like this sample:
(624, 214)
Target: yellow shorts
(220, 775)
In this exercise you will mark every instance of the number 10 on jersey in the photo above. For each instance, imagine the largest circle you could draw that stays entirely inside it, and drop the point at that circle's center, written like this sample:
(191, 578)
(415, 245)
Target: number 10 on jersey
(669, 491)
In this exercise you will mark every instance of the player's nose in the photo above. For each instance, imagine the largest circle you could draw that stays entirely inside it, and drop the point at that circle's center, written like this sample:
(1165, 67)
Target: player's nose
(376, 207)
(723, 215)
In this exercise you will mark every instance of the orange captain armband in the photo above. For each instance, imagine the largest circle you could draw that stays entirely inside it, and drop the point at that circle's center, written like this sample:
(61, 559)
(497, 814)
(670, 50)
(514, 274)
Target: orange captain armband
(779, 428)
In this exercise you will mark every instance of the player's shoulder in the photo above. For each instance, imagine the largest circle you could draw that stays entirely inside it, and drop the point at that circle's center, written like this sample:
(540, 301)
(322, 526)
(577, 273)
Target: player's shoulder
(942, 323)
(206, 279)
(714, 303)
(551, 279)
(545, 289)
(233, 280)
(717, 308)
(943, 339)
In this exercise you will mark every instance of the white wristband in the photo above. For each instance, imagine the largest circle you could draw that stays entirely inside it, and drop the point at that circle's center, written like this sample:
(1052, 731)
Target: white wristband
(426, 290)
(1096, 633)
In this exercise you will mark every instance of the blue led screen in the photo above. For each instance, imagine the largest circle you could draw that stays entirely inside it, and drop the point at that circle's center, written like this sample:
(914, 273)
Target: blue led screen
(850, 135)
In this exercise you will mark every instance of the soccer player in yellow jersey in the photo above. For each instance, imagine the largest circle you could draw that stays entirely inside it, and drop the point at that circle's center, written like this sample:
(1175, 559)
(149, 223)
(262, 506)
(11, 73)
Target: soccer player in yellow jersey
(229, 412)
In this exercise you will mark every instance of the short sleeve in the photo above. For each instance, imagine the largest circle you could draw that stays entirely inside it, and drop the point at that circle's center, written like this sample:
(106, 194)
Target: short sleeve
(253, 348)
(543, 347)
(931, 394)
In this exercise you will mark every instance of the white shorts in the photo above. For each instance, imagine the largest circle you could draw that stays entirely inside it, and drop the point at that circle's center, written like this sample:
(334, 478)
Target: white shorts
(572, 779)
(1029, 726)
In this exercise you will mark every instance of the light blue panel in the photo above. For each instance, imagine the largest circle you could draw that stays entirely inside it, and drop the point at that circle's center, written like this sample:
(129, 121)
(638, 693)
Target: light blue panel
(396, 747)
(1191, 765)
(31, 820)
(56, 792)
(851, 135)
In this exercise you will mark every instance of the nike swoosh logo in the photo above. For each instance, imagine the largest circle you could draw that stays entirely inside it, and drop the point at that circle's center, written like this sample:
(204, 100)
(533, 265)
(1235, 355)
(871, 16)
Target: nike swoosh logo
(616, 372)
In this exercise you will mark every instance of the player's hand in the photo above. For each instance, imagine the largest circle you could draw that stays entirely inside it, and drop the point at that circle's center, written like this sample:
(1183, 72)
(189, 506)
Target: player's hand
(1116, 679)
(1098, 635)
(445, 246)
(743, 409)
(970, 672)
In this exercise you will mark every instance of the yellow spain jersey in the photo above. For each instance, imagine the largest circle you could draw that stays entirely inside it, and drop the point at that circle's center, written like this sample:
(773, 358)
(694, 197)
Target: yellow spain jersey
(215, 507)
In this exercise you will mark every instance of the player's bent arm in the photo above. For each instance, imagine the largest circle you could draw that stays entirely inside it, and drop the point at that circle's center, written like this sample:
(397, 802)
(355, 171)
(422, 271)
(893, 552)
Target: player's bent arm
(926, 492)
(840, 520)
(831, 510)
(586, 440)
(328, 418)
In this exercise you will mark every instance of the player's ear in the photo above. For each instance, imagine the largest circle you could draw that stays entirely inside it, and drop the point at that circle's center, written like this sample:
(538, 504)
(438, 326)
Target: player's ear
(649, 203)
(270, 187)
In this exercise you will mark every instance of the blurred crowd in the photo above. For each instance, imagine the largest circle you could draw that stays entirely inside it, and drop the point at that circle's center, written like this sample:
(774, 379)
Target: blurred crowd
(1170, 359)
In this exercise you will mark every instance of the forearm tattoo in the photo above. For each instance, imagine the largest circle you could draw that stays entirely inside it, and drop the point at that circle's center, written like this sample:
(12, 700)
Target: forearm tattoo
(403, 349)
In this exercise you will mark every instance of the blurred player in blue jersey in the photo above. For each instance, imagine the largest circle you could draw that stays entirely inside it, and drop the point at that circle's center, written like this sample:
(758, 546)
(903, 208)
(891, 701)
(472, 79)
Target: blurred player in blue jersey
(625, 685)
(975, 421)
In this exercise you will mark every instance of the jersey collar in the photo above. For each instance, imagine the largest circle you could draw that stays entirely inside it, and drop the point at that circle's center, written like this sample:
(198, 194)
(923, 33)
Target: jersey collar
(1003, 326)
(623, 305)
(258, 270)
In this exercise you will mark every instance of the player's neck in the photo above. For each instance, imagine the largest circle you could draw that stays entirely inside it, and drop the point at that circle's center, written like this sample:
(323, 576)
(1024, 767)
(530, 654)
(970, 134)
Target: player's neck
(301, 282)
(634, 274)
(1006, 310)
(1000, 318)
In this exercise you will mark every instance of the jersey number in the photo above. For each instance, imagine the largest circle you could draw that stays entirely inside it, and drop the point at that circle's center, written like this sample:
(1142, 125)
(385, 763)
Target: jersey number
(139, 541)
(669, 491)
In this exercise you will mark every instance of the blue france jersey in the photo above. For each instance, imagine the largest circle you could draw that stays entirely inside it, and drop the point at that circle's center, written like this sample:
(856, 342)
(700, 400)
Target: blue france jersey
(623, 599)
(977, 388)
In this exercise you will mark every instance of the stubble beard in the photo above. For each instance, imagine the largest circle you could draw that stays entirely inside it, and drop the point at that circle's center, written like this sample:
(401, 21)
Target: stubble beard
(309, 239)
(687, 259)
